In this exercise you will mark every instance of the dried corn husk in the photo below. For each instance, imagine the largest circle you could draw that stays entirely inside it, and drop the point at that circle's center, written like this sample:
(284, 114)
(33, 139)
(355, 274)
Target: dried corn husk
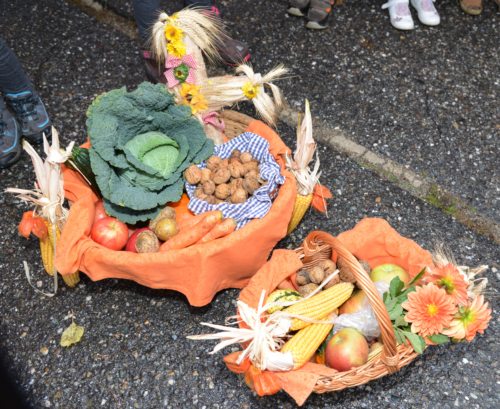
(47, 196)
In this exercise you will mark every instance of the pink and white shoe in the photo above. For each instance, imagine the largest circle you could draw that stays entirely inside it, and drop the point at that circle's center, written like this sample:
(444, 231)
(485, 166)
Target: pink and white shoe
(399, 12)
(427, 13)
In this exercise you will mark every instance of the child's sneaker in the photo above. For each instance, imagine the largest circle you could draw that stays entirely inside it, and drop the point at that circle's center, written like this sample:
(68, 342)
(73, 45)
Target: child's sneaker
(10, 137)
(318, 13)
(31, 115)
(399, 12)
(427, 13)
(298, 7)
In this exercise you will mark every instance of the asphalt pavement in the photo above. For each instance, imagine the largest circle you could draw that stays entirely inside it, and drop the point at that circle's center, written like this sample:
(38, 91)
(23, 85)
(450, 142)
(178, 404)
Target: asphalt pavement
(134, 353)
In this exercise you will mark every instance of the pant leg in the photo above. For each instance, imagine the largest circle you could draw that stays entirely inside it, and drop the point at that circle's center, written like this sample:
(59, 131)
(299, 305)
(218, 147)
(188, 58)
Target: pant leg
(13, 79)
(145, 14)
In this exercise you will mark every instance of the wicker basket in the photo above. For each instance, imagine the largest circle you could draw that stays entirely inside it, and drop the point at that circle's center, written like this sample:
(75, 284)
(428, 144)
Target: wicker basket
(235, 123)
(319, 246)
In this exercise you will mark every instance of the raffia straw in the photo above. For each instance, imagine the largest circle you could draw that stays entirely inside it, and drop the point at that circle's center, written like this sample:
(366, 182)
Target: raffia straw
(264, 335)
(227, 90)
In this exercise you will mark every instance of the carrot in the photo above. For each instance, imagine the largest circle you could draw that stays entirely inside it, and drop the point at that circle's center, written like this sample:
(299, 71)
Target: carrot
(187, 237)
(26, 224)
(188, 223)
(40, 228)
(221, 229)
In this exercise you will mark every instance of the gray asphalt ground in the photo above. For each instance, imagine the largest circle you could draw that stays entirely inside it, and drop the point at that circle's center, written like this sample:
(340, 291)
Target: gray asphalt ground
(134, 353)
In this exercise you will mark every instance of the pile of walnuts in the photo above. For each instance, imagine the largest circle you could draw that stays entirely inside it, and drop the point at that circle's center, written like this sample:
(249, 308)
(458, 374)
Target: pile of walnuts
(231, 180)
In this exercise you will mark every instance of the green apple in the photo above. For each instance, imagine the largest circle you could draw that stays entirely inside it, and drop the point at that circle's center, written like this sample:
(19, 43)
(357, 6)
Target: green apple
(386, 272)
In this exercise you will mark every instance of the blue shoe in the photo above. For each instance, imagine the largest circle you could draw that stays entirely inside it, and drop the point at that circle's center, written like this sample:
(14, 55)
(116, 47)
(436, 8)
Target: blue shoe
(10, 137)
(31, 115)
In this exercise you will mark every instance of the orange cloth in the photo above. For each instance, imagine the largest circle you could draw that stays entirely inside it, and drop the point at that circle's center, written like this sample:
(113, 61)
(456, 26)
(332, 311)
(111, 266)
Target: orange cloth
(373, 240)
(199, 271)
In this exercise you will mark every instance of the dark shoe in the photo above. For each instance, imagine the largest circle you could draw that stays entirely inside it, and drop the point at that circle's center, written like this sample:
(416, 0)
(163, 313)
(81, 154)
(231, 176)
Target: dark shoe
(298, 7)
(318, 14)
(232, 52)
(10, 137)
(30, 114)
(153, 69)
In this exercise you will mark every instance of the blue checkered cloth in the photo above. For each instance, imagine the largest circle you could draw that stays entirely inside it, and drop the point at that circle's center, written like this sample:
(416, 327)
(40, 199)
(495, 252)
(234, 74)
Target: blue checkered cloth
(258, 205)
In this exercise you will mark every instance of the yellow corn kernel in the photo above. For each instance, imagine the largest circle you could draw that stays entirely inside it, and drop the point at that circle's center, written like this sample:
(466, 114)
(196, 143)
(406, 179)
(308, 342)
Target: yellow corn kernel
(47, 246)
(300, 207)
(319, 305)
(305, 342)
(71, 280)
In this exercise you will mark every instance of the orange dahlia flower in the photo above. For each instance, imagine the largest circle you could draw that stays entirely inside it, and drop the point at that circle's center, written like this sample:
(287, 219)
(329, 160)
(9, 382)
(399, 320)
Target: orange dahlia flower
(430, 310)
(470, 320)
(449, 278)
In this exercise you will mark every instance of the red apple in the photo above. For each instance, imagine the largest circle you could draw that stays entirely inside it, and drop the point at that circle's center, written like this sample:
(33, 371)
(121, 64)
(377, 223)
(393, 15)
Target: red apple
(110, 232)
(346, 350)
(353, 304)
(386, 272)
(133, 239)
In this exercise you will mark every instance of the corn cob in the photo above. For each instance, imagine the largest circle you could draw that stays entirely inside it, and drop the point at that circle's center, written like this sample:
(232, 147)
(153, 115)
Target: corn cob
(300, 207)
(47, 252)
(47, 248)
(304, 343)
(319, 305)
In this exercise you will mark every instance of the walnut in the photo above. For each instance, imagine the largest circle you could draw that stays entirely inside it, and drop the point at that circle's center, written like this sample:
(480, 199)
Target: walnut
(213, 162)
(192, 174)
(235, 168)
(249, 166)
(332, 282)
(222, 191)
(307, 289)
(250, 185)
(211, 199)
(316, 275)
(302, 278)
(365, 266)
(224, 163)
(239, 196)
(209, 187)
(221, 175)
(199, 193)
(246, 157)
(235, 184)
(235, 154)
(206, 174)
(252, 174)
(234, 160)
(345, 271)
(328, 265)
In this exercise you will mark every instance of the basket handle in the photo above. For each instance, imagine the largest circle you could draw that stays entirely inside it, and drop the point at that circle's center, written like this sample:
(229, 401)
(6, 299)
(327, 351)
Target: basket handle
(390, 356)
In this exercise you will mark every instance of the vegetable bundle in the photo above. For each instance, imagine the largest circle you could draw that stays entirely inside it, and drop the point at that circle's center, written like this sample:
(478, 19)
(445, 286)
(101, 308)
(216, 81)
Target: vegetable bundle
(141, 144)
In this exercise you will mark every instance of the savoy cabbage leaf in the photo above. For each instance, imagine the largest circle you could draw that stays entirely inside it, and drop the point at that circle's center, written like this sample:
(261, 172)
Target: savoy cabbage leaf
(141, 143)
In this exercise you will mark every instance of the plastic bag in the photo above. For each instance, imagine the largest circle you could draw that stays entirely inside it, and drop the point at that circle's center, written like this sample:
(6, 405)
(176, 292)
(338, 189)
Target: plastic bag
(363, 320)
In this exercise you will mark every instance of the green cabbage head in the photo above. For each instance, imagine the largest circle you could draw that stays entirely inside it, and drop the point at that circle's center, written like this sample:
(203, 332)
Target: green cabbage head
(141, 144)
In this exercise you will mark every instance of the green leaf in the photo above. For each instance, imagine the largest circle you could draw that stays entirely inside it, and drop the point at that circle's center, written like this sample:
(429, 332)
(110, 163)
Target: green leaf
(396, 312)
(390, 303)
(416, 341)
(396, 286)
(71, 335)
(400, 321)
(439, 339)
(417, 277)
(400, 339)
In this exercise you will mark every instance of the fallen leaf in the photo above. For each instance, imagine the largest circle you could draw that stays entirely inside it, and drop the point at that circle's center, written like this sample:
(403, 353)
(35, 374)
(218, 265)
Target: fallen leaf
(71, 335)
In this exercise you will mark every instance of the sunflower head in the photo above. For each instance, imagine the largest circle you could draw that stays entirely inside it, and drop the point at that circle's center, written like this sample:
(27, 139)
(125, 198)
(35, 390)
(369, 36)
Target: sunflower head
(250, 90)
(176, 49)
